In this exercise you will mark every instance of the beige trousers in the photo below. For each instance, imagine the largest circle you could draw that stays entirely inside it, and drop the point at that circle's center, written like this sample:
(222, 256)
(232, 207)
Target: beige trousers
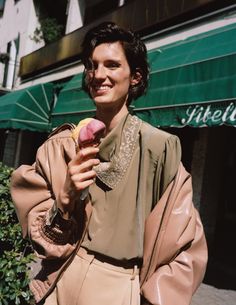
(88, 281)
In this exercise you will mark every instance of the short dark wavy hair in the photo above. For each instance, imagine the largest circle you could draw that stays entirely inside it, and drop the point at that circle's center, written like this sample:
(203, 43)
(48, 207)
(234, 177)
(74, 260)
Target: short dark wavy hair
(134, 49)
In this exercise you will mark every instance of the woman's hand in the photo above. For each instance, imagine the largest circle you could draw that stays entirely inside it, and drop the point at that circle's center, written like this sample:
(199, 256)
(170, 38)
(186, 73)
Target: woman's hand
(80, 175)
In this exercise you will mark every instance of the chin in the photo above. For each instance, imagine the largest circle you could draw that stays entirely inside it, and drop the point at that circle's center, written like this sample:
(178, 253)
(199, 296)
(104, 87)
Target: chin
(101, 100)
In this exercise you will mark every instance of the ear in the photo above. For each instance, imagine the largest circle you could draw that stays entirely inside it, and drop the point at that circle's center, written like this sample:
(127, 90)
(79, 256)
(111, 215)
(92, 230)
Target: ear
(136, 78)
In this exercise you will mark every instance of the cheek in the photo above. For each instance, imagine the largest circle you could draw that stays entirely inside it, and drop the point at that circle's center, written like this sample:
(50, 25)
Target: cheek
(124, 79)
(126, 84)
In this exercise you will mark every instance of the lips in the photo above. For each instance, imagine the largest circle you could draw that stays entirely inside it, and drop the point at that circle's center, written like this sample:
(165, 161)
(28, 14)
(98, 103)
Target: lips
(101, 89)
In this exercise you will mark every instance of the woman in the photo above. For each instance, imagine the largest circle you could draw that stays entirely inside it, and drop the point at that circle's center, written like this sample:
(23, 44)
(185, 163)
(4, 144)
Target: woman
(136, 237)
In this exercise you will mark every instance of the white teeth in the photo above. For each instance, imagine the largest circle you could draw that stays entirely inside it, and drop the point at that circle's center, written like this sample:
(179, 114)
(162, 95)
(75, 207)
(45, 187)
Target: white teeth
(102, 87)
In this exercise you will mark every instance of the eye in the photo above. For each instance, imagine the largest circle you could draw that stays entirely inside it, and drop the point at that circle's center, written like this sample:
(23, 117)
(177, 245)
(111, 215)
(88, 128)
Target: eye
(112, 64)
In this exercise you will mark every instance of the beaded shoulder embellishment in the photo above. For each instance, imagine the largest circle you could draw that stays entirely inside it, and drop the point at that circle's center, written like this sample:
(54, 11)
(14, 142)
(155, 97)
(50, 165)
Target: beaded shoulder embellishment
(110, 173)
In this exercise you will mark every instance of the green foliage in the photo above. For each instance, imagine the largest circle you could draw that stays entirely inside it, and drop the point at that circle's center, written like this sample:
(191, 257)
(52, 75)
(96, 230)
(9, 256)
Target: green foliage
(15, 252)
(49, 31)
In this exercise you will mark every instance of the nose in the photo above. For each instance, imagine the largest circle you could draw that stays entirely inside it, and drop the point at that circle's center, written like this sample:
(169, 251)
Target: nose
(100, 72)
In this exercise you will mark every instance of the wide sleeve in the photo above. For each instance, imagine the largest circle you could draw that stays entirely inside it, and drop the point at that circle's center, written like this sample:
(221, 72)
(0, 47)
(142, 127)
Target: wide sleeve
(34, 191)
(175, 247)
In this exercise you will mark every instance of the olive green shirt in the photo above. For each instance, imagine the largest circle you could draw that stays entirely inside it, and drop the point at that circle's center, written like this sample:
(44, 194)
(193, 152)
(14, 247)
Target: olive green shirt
(138, 161)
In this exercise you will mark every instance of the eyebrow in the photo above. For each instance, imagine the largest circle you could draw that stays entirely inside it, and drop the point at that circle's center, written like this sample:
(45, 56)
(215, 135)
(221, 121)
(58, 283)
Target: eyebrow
(109, 59)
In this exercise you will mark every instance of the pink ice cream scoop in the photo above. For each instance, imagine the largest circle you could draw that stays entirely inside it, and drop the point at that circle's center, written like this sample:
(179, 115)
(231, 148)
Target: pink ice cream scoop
(91, 133)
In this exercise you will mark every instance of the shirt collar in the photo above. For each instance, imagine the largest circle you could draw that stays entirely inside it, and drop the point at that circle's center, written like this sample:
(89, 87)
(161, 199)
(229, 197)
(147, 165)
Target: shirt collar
(116, 150)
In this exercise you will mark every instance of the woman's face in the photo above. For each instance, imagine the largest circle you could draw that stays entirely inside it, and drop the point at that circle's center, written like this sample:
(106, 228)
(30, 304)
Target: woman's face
(110, 80)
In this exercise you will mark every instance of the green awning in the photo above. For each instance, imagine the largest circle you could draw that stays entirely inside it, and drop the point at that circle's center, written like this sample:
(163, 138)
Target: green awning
(73, 104)
(27, 108)
(192, 82)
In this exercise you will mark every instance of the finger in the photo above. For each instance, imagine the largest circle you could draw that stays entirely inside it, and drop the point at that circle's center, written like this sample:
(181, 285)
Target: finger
(81, 181)
(83, 167)
(88, 165)
(83, 185)
(81, 177)
(85, 154)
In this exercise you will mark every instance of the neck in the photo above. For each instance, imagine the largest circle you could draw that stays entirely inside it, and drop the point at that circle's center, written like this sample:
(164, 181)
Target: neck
(111, 117)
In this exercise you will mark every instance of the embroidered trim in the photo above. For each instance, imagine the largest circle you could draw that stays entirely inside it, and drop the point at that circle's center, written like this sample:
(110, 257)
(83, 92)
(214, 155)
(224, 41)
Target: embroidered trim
(111, 173)
(59, 233)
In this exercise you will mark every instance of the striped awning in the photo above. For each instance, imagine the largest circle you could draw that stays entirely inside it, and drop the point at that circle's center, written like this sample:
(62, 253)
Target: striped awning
(28, 108)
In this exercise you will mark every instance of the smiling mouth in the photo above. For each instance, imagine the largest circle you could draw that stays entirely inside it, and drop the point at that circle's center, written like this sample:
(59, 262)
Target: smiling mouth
(101, 89)
(97, 88)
